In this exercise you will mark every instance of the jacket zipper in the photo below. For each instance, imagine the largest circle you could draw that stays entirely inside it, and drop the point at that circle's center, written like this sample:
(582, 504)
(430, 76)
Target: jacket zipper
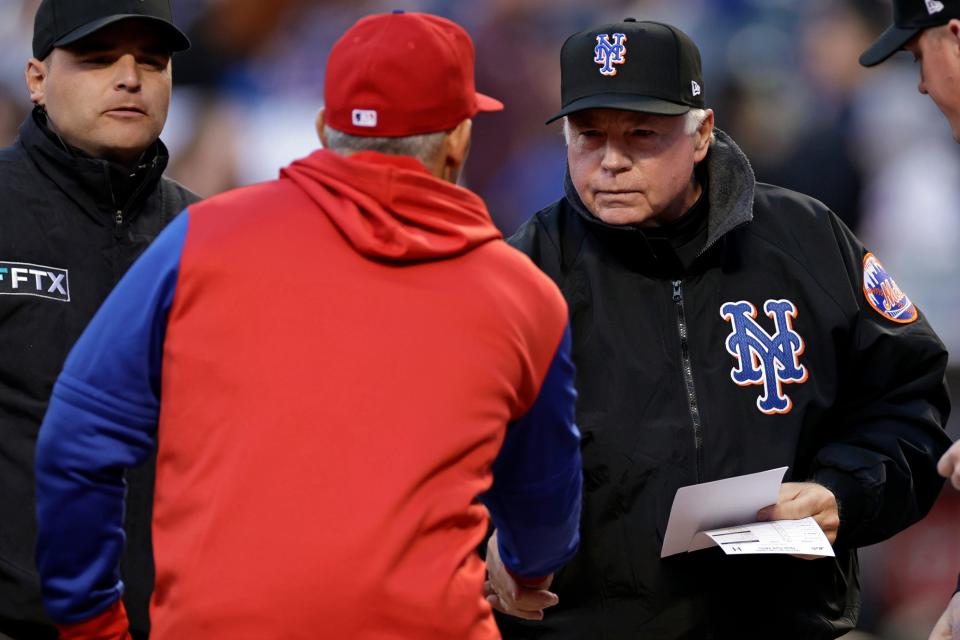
(118, 213)
(692, 404)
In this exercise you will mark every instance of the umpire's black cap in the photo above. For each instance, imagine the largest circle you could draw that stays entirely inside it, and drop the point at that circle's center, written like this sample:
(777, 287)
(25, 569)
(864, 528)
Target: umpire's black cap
(632, 65)
(910, 17)
(62, 22)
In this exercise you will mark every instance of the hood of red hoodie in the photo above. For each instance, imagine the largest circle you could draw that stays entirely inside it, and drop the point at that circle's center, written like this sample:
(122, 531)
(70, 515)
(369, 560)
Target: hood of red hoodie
(391, 207)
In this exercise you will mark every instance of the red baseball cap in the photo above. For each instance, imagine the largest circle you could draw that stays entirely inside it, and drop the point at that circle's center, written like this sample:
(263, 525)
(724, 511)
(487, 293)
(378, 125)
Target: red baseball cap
(402, 74)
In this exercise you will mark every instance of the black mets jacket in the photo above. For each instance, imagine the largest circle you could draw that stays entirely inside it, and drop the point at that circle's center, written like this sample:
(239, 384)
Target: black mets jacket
(785, 343)
(70, 226)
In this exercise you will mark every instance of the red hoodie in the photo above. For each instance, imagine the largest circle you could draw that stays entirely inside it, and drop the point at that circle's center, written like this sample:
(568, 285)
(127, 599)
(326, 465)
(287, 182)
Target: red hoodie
(344, 351)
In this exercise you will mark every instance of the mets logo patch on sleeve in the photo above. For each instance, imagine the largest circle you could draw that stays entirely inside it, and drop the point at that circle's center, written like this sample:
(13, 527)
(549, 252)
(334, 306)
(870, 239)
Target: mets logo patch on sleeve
(884, 295)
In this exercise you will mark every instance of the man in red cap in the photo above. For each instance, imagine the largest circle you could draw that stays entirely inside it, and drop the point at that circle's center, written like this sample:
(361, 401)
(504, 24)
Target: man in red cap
(349, 357)
(82, 194)
(930, 30)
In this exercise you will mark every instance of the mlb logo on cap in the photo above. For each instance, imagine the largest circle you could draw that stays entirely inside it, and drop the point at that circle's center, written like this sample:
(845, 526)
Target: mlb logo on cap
(364, 118)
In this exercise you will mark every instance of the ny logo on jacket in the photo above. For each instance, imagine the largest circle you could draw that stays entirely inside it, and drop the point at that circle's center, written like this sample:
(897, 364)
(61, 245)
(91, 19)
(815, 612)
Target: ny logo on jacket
(764, 359)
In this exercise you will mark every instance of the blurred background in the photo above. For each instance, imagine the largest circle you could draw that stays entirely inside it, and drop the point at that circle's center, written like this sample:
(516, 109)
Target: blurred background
(782, 76)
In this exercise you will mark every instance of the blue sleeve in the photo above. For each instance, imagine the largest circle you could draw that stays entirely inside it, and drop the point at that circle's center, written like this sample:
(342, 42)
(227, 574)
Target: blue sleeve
(537, 478)
(102, 419)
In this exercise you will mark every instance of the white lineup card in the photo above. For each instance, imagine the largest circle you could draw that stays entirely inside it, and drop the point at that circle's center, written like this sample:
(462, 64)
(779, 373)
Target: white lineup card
(800, 537)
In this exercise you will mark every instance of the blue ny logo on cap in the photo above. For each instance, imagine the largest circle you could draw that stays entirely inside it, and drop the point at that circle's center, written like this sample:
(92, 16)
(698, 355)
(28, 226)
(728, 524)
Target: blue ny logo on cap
(608, 53)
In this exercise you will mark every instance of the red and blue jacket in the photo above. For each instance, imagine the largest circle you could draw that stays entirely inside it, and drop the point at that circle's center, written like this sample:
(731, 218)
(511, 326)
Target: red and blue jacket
(334, 369)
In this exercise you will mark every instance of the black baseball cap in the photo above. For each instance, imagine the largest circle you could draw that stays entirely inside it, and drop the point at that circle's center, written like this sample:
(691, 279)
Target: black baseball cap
(62, 22)
(910, 17)
(632, 65)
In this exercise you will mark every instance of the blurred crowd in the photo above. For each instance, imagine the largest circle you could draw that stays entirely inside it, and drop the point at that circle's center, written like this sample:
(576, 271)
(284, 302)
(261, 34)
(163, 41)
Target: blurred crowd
(782, 76)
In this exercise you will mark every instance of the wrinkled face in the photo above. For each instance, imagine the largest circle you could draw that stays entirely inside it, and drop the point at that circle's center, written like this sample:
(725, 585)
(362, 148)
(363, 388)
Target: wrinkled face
(107, 94)
(937, 51)
(634, 168)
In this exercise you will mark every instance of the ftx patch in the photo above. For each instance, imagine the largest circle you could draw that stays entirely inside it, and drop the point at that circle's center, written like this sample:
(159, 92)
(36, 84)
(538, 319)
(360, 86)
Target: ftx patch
(24, 279)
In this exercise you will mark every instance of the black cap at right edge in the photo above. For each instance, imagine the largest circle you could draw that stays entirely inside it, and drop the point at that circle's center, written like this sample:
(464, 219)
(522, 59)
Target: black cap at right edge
(910, 17)
(648, 67)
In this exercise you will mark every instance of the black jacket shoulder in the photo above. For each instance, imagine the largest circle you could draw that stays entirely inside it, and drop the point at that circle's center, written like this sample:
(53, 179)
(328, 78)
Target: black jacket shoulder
(176, 197)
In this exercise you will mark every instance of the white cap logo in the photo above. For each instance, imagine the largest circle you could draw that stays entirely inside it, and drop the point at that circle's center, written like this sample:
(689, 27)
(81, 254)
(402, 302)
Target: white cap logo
(364, 118)
(695, 88)
(934, 6)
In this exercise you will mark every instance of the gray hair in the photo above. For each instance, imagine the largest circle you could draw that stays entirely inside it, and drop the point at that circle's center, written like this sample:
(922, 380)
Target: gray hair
(425, 147)
(694, 118)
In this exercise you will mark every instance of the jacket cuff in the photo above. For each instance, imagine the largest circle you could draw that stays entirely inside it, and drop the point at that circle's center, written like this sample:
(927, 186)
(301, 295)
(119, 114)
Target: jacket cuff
(850, 501)
(526, 582)
(110, 624)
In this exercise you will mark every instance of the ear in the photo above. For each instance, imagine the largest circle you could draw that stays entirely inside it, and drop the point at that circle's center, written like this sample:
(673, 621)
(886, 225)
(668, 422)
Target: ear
(953, 29)
(321, 121)
(35, 74)
(702, 137)
(456, 146)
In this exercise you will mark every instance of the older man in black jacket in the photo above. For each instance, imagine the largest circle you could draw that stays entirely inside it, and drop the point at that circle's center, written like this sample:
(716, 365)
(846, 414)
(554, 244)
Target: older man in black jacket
(81, 196)
(720, 327)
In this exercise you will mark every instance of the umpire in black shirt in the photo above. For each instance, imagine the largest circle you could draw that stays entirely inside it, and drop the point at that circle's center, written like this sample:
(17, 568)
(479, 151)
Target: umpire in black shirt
(81, 196)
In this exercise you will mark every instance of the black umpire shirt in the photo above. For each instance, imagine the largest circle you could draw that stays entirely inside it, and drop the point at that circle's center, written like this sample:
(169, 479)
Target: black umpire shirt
(70, 227)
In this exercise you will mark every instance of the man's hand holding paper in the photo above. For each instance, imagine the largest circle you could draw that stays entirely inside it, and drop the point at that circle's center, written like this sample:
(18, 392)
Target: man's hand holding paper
(799, 519)
(799, 500)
